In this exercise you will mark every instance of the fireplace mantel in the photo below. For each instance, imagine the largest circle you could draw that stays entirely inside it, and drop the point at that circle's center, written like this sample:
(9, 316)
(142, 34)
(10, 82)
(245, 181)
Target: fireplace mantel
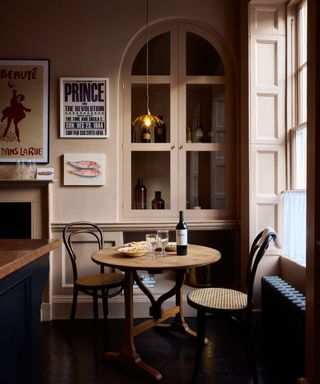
(24, 183)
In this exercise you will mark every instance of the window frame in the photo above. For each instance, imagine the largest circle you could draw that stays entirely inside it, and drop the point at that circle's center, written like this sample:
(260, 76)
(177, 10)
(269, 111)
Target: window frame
(296, 94)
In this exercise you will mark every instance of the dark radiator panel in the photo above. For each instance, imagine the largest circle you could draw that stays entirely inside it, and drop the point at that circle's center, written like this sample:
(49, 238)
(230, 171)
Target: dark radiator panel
(283, 324)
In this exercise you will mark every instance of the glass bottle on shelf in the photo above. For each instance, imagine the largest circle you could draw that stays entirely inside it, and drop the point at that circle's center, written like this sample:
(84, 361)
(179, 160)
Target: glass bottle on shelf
(158, 202)
(160, 132)
(146, 136)
(189, 135)
(198, 132)
(133, 133)
(140, 195)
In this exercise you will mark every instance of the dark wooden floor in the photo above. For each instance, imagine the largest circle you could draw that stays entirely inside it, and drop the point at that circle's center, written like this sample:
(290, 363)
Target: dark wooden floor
(71, 356)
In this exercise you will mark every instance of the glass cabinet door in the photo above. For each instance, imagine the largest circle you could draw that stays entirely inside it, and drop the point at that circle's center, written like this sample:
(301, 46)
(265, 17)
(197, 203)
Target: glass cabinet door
(151, 153)
(205, 126)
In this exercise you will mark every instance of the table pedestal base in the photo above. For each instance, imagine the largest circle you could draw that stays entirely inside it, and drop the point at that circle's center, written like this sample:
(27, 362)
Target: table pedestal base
(134, 361)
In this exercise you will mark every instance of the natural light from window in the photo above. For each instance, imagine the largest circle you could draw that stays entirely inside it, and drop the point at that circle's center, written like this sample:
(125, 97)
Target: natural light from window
(294, 239)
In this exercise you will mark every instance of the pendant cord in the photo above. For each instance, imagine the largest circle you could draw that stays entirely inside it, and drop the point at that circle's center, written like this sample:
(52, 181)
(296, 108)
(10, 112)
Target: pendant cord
(147, 53)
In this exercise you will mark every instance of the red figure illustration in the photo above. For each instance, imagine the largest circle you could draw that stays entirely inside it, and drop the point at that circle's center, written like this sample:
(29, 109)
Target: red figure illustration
(16, 112)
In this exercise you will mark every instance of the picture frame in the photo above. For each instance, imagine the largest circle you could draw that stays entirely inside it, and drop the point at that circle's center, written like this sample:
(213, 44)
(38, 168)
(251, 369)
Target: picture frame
(84, 169)
(24, 110)
(84, 107)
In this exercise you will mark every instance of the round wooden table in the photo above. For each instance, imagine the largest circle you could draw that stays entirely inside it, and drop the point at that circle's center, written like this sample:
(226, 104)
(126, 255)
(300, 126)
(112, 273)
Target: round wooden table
(197, 256)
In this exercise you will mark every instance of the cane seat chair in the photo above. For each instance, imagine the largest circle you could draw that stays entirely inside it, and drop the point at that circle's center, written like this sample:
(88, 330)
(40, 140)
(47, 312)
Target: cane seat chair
(99, 285)
(233, 303)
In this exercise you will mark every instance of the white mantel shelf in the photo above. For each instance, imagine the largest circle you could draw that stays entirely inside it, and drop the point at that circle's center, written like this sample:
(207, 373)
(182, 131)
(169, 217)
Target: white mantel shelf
(24, 183)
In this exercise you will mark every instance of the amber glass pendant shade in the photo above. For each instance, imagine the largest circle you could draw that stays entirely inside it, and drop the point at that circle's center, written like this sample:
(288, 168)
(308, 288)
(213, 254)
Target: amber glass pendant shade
(147, 120)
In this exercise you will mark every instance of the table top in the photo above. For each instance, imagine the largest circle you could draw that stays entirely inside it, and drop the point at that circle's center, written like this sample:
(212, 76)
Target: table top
(17, 253)
(197, 256)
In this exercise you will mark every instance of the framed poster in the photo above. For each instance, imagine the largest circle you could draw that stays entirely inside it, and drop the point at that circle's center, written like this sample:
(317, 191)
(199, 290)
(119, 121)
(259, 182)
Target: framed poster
(24, 108)
(84, 107)
(83, 169)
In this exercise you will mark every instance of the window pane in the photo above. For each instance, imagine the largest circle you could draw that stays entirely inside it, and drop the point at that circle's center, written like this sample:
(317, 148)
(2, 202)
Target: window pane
(159, 103)
(205, 113)
(202, 58)
(301, 158)
(302, 34)
(159, 57)
(205, 180)
(302, 96)
(153, 168)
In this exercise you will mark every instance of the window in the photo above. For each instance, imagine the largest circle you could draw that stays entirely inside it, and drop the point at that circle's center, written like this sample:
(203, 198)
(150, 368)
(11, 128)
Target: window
(294, 241)
(298, 118)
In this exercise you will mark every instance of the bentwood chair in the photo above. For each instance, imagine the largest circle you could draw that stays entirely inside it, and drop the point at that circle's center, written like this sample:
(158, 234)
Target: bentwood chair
(233, 303)
(99, 285)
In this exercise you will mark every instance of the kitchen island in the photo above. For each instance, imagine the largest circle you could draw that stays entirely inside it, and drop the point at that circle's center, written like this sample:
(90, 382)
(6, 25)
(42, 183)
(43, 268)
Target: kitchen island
(24, 270)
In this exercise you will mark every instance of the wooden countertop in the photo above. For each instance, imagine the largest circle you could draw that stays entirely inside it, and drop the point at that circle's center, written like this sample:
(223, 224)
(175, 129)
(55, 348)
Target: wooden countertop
(16, 253)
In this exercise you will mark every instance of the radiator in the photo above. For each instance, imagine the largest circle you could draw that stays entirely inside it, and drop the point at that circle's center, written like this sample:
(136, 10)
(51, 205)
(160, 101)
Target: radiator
(283, 324)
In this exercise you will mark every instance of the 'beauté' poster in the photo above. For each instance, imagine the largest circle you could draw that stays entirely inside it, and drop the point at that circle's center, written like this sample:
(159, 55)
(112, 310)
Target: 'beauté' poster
(24, 115)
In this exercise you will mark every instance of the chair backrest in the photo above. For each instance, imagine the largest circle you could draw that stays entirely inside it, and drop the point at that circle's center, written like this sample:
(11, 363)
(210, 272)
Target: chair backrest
(258, 249)
(71, 232)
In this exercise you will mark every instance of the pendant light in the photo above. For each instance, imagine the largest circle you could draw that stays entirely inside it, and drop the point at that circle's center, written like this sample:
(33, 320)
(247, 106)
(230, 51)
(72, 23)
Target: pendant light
(147, 120)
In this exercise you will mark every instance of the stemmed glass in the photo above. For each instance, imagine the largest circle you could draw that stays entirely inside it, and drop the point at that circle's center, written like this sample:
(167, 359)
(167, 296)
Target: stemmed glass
(151, 240)
(163, 238)
(19, 166)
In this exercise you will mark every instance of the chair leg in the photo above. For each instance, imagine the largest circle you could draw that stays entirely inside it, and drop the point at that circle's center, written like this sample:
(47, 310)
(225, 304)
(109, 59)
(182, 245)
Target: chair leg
(95, 317)
(105, 303)
(252, 358)
(105, 314)
(74, 304)
(95, 306)
(251, 349)
(201, 315)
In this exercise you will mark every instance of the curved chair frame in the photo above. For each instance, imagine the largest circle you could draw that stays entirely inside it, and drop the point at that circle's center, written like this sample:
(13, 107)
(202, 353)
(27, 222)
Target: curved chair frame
(242, 307)
(97, 285)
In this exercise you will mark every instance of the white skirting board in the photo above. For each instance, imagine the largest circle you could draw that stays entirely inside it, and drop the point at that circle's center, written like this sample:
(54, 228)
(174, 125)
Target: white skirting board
(60, 307)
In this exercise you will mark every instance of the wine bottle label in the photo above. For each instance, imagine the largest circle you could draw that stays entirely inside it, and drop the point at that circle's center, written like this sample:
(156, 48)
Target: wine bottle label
(147, 136)
(182, 236)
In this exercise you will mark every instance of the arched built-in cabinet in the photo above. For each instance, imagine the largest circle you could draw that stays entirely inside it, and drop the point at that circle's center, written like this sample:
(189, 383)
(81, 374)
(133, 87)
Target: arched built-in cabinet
(191, 86)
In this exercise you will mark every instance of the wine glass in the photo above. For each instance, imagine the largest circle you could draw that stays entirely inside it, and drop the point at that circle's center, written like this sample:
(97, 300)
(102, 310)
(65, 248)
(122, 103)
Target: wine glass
(151, 240)
(163, 238)
(19, 165)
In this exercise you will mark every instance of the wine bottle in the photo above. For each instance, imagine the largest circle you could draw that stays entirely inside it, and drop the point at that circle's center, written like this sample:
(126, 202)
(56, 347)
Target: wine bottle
(146, 136)
(198, 132)
(182, 236)
(160, 132)
(140, 192)
(189, 135)
(158, 202)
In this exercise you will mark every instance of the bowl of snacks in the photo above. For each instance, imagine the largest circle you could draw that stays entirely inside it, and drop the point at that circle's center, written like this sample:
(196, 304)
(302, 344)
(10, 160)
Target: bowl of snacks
(133, 251)
(171, 247)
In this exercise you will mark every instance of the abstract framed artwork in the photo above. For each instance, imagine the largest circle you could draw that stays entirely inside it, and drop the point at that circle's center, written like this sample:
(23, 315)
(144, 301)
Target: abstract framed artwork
(84, 169)
(84, 108)
(24, 108)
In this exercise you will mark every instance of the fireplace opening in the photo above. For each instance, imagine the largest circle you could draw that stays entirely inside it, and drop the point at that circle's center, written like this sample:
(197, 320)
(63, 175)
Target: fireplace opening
(15, 220)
